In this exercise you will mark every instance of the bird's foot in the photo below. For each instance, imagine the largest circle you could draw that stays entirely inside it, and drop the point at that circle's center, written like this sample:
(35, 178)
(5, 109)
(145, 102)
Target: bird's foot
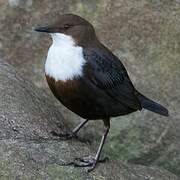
(65, 136)
(87, 162)
(70, 135)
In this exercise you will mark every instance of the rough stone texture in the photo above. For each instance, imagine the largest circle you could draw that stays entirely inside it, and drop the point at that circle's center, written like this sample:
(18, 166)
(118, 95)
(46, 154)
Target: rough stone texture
(29, 151)
(42, 160)
(24, 109)
(144, 33)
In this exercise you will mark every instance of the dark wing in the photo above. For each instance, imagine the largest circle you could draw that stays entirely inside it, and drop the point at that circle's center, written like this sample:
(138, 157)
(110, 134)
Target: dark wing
(107, 73)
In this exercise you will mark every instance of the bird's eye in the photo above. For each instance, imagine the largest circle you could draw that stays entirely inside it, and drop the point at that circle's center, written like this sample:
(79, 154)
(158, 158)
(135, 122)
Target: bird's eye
(66, 26)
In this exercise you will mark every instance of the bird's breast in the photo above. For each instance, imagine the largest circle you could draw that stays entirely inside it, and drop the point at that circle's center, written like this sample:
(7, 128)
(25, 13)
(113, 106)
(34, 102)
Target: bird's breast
(65, 60)
(63, 90)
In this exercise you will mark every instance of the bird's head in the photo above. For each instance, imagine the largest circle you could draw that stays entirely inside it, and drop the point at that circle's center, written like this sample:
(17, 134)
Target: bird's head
(70, 25)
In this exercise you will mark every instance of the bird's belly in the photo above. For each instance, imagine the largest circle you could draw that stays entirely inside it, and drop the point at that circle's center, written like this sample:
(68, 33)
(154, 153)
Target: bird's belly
(84, 100)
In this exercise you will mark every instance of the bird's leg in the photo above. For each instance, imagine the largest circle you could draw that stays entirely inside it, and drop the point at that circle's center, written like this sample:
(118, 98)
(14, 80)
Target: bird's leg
(84, 162)
(79, 126)
(74, 132)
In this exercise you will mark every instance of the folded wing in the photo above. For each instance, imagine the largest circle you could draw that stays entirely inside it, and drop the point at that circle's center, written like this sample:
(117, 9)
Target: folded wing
(107, 73)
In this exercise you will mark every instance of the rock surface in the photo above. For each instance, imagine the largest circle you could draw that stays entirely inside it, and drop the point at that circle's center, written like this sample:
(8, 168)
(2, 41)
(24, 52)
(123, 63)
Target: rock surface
(29, 151)
(145, 34)
(24, 109)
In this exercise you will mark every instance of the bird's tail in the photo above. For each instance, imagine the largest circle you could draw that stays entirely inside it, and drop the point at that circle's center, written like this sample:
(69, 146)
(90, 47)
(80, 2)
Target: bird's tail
(147, 103)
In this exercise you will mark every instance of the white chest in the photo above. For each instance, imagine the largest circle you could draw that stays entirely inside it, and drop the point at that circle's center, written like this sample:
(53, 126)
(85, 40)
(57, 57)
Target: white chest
(64, 60)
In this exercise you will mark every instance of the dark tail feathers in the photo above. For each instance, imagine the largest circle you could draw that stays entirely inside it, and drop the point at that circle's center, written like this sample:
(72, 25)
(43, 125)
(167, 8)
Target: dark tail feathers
(151, 105)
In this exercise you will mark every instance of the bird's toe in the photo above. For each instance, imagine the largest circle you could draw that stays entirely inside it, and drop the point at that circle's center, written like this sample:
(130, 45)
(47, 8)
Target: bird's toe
(65, 136)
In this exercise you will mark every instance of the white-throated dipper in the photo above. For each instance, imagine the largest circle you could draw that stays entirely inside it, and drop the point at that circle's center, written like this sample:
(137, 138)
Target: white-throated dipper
(88, 78)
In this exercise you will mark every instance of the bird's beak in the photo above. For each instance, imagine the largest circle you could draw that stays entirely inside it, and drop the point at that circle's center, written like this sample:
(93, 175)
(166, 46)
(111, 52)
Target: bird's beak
(43, 29)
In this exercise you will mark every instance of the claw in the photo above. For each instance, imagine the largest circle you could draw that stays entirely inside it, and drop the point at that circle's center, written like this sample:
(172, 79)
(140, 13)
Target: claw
(66, 136)
(71, 135)
(91, 168)
(86, 162)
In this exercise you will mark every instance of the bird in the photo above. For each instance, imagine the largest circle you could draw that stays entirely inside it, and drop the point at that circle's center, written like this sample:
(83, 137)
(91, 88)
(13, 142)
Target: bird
(88, 79)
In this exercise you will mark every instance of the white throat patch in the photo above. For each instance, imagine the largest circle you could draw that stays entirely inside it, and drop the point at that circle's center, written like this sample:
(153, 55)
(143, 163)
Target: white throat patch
(64, 60)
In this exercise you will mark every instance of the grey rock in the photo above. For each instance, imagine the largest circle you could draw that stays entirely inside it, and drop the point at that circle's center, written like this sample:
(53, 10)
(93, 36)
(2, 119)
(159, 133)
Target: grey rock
(24, 109)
